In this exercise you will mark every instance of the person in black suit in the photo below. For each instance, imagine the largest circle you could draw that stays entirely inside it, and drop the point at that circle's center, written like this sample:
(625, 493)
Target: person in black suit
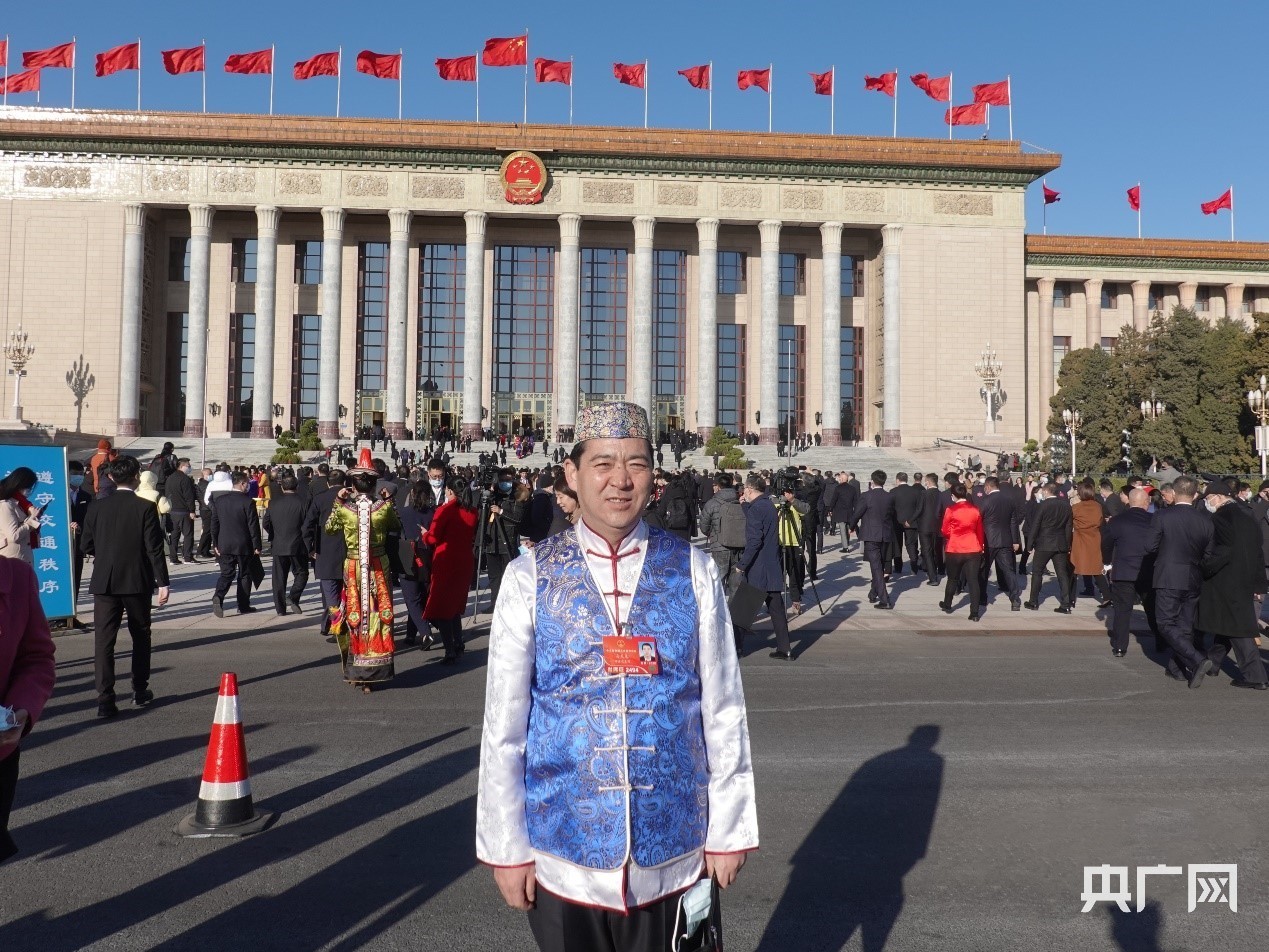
(123, 535)
(327, 552)
(181, 494)
(1233, 581)
(1129, 565)
(760, 561)
(235, 526)
(1180, 541)
(873, 521)
(1049, 537)
(321, 482)
(930, 529)
(80, 499)
(1001, 530)
(908, 503)
(843, 509)
(284, 521)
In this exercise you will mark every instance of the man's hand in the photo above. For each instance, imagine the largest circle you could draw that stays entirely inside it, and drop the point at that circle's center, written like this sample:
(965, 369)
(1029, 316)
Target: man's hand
(518, 885)
(14, 734)
(1016, 547)
(164, 593)
(724, 866)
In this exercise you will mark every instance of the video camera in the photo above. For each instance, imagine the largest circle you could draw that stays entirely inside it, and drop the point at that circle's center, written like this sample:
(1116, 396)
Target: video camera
(786, 480)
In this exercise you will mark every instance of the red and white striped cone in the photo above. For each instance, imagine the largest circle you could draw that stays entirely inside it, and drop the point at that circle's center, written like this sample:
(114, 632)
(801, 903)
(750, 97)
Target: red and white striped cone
(224, 805)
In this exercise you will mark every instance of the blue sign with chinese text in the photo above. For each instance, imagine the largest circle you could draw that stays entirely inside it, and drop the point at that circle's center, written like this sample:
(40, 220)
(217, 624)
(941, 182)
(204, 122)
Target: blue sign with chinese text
(55, 554)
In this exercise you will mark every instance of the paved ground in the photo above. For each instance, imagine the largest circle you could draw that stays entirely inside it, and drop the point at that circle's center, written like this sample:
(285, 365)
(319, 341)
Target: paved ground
(923, 783)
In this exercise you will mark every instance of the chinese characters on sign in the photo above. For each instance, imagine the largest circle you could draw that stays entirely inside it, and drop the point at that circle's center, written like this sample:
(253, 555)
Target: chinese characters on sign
(53, 557)
(1208, 883)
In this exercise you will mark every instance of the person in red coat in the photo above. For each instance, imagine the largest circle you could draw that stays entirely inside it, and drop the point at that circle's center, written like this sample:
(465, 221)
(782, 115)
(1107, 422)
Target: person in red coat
(26, 676)
(451, 534)
(963, 546)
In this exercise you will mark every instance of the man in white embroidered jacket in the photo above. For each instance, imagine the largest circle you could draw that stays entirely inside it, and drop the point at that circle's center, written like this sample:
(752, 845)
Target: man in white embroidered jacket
(612, 782)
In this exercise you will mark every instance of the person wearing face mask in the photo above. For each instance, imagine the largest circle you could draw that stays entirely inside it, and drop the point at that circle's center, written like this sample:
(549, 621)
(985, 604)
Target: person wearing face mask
(414, 556)
(19, 519)
(502, 528)
(450, 536)
(1233, 584)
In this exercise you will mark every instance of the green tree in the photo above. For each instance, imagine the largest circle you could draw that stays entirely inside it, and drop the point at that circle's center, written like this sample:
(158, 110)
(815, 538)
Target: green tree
(1090, 381)
(308, 439)
(726, 449)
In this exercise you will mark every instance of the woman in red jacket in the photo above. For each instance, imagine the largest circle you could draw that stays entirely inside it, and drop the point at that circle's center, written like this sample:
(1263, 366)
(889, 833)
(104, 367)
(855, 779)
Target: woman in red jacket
(963, 548)
(450, 535)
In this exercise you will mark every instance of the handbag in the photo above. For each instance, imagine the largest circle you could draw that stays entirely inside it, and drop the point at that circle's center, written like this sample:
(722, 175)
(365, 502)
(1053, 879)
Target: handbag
(708, 936)
(744, 603)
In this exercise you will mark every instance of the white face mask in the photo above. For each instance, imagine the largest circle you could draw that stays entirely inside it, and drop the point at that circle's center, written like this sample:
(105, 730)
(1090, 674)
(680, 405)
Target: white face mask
(436, 484)
(1210, 506)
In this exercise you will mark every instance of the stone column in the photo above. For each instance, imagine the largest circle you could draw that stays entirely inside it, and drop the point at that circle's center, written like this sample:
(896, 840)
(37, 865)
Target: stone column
(332, 288)
(831, 349)
(1234, 303)
(266, 319)
(1093, 312)
(474, 325)
(707, 327)
(639, 382)
(1044, 352)
(567, 327)
(1140, 306)
(398, 304)
(769, 336)
(199, 284)
(1187, 291)
(890, 315)
(129, 421)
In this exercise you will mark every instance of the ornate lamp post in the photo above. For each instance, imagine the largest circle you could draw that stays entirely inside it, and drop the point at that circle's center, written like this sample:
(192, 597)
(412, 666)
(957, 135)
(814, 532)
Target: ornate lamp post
(989, 370)
(1258, 400)
(1073, 421)
(18, 350)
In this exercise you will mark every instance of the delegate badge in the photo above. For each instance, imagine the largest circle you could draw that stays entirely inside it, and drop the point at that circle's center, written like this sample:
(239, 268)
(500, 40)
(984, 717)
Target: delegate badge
(627, 655)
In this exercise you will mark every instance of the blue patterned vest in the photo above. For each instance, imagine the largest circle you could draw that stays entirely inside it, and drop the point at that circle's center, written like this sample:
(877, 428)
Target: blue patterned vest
(582, 805)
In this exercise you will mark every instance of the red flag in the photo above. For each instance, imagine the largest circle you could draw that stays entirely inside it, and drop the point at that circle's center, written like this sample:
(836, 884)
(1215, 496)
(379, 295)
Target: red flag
(121, 57)
(4, 52)
(697, 76)
(1051, 195)
(379, 65)
(506, 51)
(28, 82)
(553, 71)
(940, 90)
(632, 75)
(883, 83)
(323, 64)
(992, 94)
(823, 83)
(55, 57)
(460, 69)
(1134, 198)
(1225, 201)
(975, 114)
(184, 61)
(249, 64)
(754, 77)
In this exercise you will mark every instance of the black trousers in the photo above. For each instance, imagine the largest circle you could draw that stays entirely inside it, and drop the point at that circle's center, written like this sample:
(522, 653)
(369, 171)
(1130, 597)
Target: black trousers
(912, 543)
(1003, 558)
(1061, 568)
(8, 787)
(874, 553)
(1122, 596)
(285, 566)
(965, 565)
(182, 536)
(108, 613)
(451, 632)
(1250, 666)
(234, 567)
(562, 926)
(332, 590)
(930, 555)
(1175, 608)
(794, 570)
(1103, 588)
(204, 536)
(812, 542)
(414, 594)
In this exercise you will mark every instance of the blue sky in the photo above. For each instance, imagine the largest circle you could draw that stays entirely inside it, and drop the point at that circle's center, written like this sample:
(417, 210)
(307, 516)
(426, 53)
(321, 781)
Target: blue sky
(1162, 93)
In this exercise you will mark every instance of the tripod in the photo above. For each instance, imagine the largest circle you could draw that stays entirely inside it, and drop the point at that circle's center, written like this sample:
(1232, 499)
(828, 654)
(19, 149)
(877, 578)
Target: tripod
(484, 519)
(785, 518)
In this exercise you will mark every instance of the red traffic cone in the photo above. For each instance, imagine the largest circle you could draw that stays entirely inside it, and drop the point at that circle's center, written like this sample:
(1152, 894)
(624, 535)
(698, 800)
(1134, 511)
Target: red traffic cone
(224, 805)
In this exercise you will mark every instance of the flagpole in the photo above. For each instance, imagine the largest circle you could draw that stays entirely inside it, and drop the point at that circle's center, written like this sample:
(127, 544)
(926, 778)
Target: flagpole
(6, 69)
(478, 86)
(1009, 90)
(1139, 208)
(770, 97)
(988, 110)
(74, 57)
(400, 80)
(526, 76)
(1044, 205)
(951, 98)
(1231, 213)
(138, 73)
(711, 95)
(204, 76)
(339, 77)
(570, 90)
(832, 100)
(645, 94)
(895, 134)
(273, 67)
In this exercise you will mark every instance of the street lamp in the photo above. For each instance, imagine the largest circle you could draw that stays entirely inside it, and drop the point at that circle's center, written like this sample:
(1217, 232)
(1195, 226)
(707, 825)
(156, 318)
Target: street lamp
(1258, 400)
(19, 350)
(1073, 421)
(990, 369)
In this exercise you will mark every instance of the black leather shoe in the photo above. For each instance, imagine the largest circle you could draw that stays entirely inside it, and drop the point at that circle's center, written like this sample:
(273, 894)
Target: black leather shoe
(1204, 668)
(781, 656)
(107, 709)
(450, 659)
(1106, 604)
(1253, 685)
(1015, 605)
(933, 582)
(294, 606)
(886, 605)
(1118, 652)
(1063, 609)
(947, 609)
(428, 643)
(1031, 606)
(247, 610)
(974, 616)
(142, 698)
(218, 608)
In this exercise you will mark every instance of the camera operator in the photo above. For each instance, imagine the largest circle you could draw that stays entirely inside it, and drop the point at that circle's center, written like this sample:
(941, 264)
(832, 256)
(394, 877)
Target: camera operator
(790, 512)
(508, 501)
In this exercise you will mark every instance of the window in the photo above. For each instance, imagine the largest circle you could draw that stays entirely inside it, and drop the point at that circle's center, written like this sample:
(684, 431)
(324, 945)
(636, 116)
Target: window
(731, 378)
(1154, 300)
(242, 365)
(243, 261)
(1249, 302)
(1061, 294)
(306, 346)
(178, 259)
(523, 318)
(1108, 344)
(792, 274)
(669, 323)
(1202, 300)
(731, 272)
(1061, 347)
(1110, 295)
(308, 262)
(442, 281)
(852, 368)
(603, 321)
(792, 380)
(177, 366)
(372, 314)
(852, 276)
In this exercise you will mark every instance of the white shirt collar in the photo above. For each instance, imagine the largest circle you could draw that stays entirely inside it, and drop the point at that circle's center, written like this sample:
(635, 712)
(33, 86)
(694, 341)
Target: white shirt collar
(597, 543)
